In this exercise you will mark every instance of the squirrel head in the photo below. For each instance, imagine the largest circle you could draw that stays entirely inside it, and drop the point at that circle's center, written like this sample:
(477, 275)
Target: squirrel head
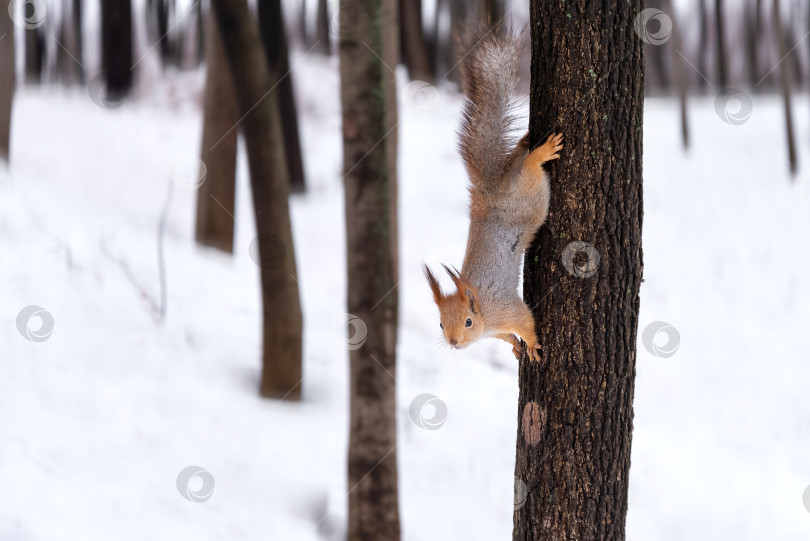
(460, 311)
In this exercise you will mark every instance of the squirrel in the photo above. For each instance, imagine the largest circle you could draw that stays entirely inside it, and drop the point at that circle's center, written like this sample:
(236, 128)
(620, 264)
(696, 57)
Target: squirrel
(509, 199)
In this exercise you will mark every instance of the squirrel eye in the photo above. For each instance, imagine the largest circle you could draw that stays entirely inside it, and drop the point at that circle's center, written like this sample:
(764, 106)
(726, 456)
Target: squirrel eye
(441, 326)
(468, 323)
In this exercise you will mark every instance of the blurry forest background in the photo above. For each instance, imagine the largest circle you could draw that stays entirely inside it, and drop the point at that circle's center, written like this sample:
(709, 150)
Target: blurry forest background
(179, 254)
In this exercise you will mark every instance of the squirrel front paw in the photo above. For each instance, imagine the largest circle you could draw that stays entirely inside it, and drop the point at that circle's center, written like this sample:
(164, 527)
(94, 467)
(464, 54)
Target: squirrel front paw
(534, 352)
(553, 146)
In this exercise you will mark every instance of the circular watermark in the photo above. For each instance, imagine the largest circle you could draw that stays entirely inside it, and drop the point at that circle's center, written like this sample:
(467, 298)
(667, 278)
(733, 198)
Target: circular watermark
(653, 26)
(26, 323)
(508, 492)
(195, 484)
(421, 98)
(580, 259)
(358, 331)
(344, 20)
(806, 498)
(651, 338)
(31, 14)
(268, 251)
(427, 401)
(97, 89)
(733, 106)
(188, 172)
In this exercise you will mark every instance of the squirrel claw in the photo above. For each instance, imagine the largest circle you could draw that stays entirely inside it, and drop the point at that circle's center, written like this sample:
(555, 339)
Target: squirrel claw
(534, 352)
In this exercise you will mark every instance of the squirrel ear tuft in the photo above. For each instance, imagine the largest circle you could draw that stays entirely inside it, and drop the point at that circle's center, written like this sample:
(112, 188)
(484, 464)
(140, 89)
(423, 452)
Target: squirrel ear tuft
(454, 275)
(434, 284)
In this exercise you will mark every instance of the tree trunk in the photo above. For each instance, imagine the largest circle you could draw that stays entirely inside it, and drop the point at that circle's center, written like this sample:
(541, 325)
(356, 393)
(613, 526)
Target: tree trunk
(656, 55)
(68, 69)
(491, 11)
(681, 74)
(703, 43)
(34, 54)
(261, 127)
(116, 46)
(784, 78)
(575, 408)
(200, 34)
(367, 97)
(323, 24)
(7, 81)
(415, 52)
(271, 22)
(751, 42)
(458, 19)
(79, 40)
(722, 66)
(216, 196)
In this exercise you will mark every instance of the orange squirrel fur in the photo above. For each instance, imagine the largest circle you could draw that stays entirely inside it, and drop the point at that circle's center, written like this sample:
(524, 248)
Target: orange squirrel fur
(509, 196)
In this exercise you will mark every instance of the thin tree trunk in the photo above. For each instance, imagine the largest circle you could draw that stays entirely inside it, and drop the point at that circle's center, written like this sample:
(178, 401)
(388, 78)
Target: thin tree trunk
(323, 27)
(116, 46)
(34, 54)
(415, 52)
(458, 18)
(261, 126)
(67, 53)
(491, 11)
(791, 39)
(367, 97)
(216, 196)
(681, 73)
(784, 78)
(751, 42)
(79, 40)
(703, 43)
(575, 408)
(7, 82)
(271, 22)
(722, 65)
(656, 60)
(200, 34)
(302, 24)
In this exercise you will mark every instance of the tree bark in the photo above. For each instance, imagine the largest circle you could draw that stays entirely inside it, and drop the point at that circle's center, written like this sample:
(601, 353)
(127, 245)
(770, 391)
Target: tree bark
(415, 52)
(575, 407)
(368, 96)
(274, 38)
(722, 65)
(116, 46)
(784, 78)
(260, 124)
(216, 196)
(7, 82)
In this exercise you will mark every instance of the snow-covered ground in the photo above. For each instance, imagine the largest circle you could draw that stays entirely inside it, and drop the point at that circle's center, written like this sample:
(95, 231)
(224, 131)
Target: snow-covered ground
(98, 421)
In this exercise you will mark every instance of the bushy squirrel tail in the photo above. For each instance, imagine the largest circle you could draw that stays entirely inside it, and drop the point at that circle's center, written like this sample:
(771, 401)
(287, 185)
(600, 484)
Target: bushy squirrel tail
(489, 70)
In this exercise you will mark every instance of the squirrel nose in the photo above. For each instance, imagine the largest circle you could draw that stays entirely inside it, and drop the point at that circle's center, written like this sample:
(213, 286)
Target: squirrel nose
(453, 342)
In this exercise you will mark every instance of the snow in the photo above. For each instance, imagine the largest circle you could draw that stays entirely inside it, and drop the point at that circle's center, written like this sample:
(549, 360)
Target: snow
(98, 421)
